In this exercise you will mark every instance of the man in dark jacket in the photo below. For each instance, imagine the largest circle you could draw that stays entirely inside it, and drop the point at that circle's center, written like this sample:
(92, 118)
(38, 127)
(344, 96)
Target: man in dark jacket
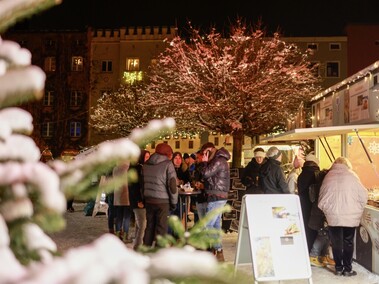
(216, 175)
(272, 177)
(160, 192)
(250, 176)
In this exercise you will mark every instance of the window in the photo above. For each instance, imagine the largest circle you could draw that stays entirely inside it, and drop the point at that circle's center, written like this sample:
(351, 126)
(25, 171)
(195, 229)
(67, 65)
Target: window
(334, 46)
(75, 129)
(50, 64)
(77, 63)
(132, 64)
(75, 98)
(190, 144)
(216, 141)
(48, 98)
(47, 129)
(106, 66)
(313, 46)
(177, 144)
(332, 69)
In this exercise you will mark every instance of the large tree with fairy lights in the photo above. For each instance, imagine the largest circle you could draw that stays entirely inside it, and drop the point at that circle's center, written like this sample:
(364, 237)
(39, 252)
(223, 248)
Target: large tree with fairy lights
(243, 84)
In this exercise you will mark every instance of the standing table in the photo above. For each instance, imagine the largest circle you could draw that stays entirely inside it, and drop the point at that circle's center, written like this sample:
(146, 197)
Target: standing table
(186, 197)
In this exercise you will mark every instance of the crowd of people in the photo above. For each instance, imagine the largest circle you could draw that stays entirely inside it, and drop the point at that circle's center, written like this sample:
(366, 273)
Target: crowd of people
(153, 197)
(332, 202)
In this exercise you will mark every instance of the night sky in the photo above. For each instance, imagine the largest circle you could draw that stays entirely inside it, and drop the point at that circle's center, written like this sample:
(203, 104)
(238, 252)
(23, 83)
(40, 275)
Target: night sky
(291, 17)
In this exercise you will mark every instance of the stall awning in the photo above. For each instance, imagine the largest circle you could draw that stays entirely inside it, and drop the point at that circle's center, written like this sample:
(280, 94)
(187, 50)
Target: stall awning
(313, 133)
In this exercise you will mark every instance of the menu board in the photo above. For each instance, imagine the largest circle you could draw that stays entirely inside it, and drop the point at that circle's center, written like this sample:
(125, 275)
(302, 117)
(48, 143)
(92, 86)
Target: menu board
(272, 230)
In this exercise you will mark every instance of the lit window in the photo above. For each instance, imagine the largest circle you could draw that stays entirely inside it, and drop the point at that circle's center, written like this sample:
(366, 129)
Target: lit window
(48, 98)
(50, 64)
(190, 144)
(177, 144)
(47, 129)
(132, 64)
(75, 98)
(332, 69)
(77, 63)
(106, 66)
(75, 129)
(217, 141)
(335, 46)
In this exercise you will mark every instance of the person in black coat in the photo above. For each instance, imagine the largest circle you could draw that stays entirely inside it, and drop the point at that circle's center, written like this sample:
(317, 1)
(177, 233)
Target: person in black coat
(306, 178)
(271, 177)
(250, 175)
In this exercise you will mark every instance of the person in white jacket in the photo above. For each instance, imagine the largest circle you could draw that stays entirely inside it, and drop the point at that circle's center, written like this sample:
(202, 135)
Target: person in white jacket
(342, 199)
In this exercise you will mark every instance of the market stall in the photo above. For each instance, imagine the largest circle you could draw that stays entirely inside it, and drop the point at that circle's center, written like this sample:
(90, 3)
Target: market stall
(345, 122)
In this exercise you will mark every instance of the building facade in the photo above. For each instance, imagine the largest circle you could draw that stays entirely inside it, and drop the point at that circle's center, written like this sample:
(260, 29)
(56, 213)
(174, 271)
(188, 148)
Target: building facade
(60, 119)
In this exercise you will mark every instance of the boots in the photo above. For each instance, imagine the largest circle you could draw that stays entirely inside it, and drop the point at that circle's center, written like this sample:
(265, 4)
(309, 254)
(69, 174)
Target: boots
(326, 260)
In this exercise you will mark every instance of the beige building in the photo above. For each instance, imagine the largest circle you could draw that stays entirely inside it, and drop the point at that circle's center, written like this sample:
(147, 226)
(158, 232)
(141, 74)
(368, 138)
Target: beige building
(330, 53)
(122, 56)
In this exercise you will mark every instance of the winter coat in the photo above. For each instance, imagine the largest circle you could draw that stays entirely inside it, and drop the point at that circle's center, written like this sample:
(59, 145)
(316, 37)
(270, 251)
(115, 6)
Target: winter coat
(183, 175)
(342, 197)
(250, 177)
(216, 175)
(317, 217)
(272, 179)
(135, 187)
(159, 180)
(121, 195)
(305, 179)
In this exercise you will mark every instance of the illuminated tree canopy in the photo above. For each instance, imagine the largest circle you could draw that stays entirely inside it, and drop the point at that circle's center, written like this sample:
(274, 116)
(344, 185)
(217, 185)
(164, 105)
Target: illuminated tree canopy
(120, 112)
(247, 81)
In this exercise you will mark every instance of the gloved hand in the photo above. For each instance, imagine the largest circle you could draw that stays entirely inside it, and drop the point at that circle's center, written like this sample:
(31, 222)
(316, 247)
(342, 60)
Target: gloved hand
(172, 207)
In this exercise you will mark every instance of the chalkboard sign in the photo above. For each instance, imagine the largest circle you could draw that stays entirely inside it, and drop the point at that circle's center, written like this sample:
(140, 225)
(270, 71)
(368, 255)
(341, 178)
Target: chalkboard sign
(271, 236)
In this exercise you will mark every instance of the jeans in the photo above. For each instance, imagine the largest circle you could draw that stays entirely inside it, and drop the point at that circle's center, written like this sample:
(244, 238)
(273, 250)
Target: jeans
(342, 239)
(321, 243)
(201, 209)
(123, 214)
(140, 215)
(215, 223)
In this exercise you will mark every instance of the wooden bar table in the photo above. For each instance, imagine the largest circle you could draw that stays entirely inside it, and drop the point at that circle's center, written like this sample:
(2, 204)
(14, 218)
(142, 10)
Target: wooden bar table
(186, 196)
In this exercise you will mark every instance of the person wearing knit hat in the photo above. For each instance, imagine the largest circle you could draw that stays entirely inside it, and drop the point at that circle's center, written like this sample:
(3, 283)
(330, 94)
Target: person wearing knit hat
(164, 149)
(274, 153)
(250, 175)
(272, 177)
(159, 191)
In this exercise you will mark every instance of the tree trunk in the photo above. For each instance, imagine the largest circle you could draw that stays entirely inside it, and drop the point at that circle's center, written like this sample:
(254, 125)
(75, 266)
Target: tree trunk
(237, 148)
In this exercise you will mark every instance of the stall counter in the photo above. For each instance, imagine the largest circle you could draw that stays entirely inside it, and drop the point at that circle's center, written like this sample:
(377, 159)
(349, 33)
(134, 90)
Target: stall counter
(367, 240)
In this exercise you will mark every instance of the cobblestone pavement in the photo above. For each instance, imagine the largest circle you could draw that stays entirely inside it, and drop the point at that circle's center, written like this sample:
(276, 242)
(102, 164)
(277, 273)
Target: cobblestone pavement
(82, 230)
